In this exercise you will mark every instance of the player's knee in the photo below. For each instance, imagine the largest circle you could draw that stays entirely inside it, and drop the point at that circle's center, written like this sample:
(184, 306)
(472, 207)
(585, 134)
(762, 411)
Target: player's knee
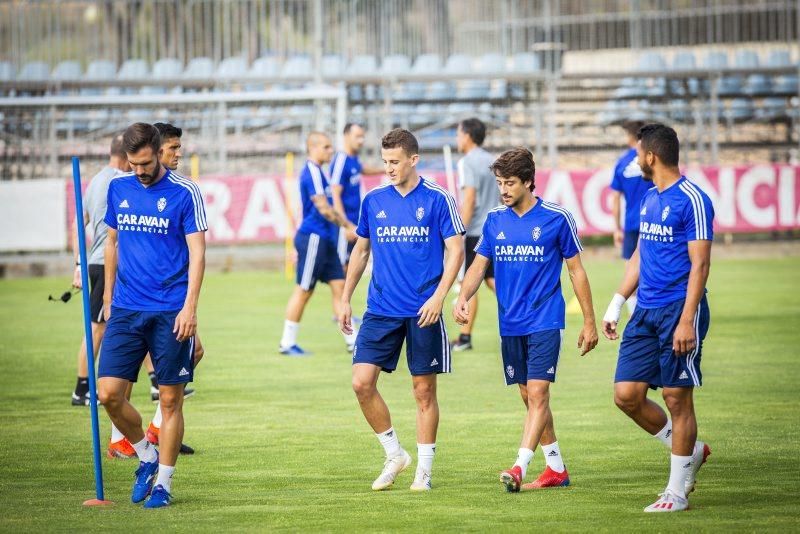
(626, 401)
(424, 393)
(109, 397)
(538, 395)
(171, 401)
(362, 388)
(676, 404)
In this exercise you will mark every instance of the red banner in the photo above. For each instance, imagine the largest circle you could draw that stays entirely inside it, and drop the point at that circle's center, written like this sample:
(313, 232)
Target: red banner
(251, 209)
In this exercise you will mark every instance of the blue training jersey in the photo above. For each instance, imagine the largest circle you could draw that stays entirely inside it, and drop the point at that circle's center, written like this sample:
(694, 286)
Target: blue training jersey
(152, 224)
(346, 171)
(527, 253)
(628, 180)
(407, 239)
(669, 220)
(313, 182)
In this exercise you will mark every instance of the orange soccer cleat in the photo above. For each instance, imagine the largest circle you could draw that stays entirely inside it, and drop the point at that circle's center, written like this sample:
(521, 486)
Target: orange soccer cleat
(121, 449)
(549, 479)
(152, 434)
(512, 478)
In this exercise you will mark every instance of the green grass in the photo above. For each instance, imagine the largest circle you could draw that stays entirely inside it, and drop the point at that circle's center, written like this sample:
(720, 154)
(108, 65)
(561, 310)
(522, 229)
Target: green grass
(282, 444)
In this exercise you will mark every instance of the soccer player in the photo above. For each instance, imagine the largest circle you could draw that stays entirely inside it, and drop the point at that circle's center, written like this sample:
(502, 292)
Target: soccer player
(662, 343)
(316, 244)
(479, 195)
(628, 183)
(94, 206)
(155, 260)
(528, 240)
(345, 171)
(406, 224)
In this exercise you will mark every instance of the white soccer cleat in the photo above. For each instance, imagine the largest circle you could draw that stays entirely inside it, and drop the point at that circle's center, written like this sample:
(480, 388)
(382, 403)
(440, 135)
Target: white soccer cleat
(668, 502)
(701, 452)
(422, 481)
(391, 468)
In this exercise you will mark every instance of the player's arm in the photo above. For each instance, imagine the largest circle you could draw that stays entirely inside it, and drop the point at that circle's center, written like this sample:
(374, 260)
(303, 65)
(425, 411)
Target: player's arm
(684, 339)
(467, 205)
(616, 211)
(186, 320)
(355, 270)
(330, 214)
(77, 282)
(630, 281)
(110, 260)
(469, 286)
(587, 339)
(430, 312)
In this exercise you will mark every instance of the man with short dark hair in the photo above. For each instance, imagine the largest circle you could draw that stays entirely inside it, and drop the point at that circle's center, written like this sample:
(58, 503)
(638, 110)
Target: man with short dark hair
(479, 195)
(661, 345)
(155, 260)
(528, 240)
(407, 224)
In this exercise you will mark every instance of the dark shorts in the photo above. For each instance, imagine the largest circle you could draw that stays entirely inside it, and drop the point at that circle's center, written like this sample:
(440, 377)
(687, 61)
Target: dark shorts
(97, 284)
(471, 243)
(344, 247)
(380, 339)
(629, 243)
(317, 260)
(645, 354)
(131, 334)
(531, 357)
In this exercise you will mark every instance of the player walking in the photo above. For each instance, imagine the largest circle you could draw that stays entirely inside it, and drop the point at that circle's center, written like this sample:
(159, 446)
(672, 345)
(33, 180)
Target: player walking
(662, 343)
(407, 224)
(528, 240)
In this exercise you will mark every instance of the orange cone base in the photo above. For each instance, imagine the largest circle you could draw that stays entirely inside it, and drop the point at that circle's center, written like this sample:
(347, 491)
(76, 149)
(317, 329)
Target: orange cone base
(97, 502)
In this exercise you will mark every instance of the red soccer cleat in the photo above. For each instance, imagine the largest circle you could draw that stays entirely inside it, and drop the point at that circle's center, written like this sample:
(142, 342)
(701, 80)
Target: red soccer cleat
(152, 434)
(549, 479)
(512, 478)
(121, 449)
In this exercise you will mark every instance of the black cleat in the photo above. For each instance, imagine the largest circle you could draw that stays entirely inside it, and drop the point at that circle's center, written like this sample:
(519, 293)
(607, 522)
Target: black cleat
(185, 449)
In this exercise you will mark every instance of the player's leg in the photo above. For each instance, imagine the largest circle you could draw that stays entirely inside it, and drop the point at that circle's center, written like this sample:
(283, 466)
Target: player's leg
(308, 266)
(378, 348)
(464, 341)
(80, 396)
(337, 288)
(119, 446)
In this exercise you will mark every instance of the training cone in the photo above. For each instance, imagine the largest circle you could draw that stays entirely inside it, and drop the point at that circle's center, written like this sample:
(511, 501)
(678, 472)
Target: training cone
(97, 502)
(574, 307)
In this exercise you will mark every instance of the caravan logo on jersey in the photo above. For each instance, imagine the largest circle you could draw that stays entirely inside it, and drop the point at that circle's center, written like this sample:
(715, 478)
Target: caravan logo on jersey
(142, 223)
(527, 253)
(161, 204)
(653, 231)
(403, 234)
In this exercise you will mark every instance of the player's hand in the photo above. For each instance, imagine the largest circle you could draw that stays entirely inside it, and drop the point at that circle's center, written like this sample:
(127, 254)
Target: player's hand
(350, 233)
(430, 312)
(345, 318)
(77, 282)
(461, 311)
(185, 324)
(611, 317)
(587, 339)
(684, 340)
(106, 311)
(610, 330)
(618, 238)
(293, 256)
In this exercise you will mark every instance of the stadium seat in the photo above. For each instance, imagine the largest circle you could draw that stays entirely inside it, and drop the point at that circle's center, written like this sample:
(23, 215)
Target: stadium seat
(524, 62)
(631, 88)
(101, 69)
(396, 64)
(441, 91)
(133, 69)
(67, 70)
(265, 67)
(201, 68)
(298, 67)
(332, 66)
(458, 64)
(613, 112)
(785, 84)
(232, 68)
(164, 69)
(425, 64)
(679, 111)
(6, 71)
(35, 71)
(684, 61)
(728, 85)
(363, 66)
(755, 83)
(773, 109)
(653, 86)
(739, 110)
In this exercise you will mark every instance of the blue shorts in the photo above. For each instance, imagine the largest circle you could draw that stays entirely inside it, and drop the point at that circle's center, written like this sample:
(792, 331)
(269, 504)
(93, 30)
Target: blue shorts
(629, 243)
(645, 354)
(344, 247)
(317, 259)
(531, 357)
(130, 335)
(380, 339)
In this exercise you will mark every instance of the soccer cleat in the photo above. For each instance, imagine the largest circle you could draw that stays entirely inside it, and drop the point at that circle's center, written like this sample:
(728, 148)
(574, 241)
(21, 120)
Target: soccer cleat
(121, 449)
(185, 449)
(460, 346)
(549, 479)
(143, 480)
(391, 468)
(159, 498)
(154, 395)
(80, 401)
(512, 478)
(422, 481)
(294, 350)
(701, 453)
(668, 502)
(152, 433)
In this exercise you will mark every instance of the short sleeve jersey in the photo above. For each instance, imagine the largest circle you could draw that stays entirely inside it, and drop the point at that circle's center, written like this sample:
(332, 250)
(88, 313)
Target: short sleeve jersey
(407, 237)
(152, 224)
(528, 253)
(94, 204)
(628, 180)
(346, 172)
(473, 171)
(314, 182)
(669, 220)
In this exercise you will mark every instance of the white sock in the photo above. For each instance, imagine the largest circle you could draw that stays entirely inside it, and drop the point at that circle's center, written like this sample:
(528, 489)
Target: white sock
(524, 457)
(665, 434)
(145, 451)
(552, 455)
(390, 442)
(289, 338)
(631, 304)
(425, 453)
(157, 417)
(165, 473)
(350, 339)
(116, 435)
(678, 473)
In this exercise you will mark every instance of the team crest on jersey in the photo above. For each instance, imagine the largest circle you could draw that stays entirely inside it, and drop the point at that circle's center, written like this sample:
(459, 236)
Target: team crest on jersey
(665, 214)
(420, 213)
(537, 233)
(161, 204)
(510, 371)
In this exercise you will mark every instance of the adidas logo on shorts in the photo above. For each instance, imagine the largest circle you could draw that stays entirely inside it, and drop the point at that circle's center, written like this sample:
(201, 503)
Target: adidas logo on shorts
(124, 204)
(683, 376)
(381, 215)
(434, 362)
(551, 371)
(183, 372)
(501, 235)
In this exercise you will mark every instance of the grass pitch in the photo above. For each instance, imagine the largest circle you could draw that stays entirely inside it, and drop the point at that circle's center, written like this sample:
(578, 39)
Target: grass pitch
(282, 445)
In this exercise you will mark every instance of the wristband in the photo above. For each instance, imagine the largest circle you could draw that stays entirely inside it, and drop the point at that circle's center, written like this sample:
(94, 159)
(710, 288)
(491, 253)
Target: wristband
(614, 309)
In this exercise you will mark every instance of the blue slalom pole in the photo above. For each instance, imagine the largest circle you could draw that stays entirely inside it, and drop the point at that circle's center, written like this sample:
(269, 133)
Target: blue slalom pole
(87, 325)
